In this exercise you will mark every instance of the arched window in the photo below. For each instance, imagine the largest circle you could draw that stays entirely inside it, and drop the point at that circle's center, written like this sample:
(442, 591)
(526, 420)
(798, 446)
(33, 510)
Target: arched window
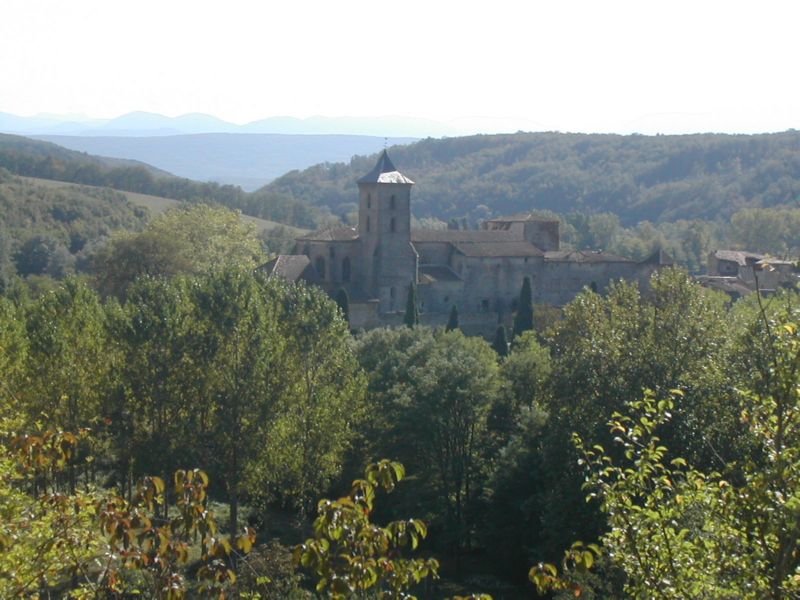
(391, 202)
(319, 264)
(367, 222)
(346, 268)
(392, 296)
(392, 225)
(331, 251)
(369, 200)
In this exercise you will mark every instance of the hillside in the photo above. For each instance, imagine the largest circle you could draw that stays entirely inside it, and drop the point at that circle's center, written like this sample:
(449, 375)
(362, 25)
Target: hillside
(35, 158)
(49, 228)
(18, 153)
(156, 204)
(660, 178)
(52, 228)
(248, 160)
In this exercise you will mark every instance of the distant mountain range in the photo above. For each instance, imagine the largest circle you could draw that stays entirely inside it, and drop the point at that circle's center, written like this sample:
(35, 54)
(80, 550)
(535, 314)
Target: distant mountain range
(147, 124)
(205, 148)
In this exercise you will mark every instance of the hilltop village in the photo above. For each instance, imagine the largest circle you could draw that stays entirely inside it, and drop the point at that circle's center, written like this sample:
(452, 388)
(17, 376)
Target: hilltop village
(480, 271)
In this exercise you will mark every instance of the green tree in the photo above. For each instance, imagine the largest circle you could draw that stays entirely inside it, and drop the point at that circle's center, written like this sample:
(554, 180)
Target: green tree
(678, 531)
(43, 255)
(13, 355)
(526, 371)
(70, 360)
(523, 319)
(318, 391)
(452, 320)
(512, 523)
(455, 389)
(605, 351)
(192, 239)
(240, 351)
(352, 556)
(343, 302)
(603, 230)
(7, 268)
(47, 533)
(453, 381)
(164, 409)
(411, 316)
(770, 230)
(93, 542)
(387, 357)
(500, 343)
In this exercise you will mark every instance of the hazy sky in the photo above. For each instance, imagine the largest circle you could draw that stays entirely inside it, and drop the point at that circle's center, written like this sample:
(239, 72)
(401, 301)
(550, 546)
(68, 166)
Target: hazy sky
(597, 65)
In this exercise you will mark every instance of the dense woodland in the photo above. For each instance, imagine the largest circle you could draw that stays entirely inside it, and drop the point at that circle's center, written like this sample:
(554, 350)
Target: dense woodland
(49, 232)
(174, 354)
(639, 178)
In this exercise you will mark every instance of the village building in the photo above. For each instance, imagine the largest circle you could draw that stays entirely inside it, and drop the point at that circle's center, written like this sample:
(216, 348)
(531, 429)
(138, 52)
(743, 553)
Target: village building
(739, 273)
(481, 271)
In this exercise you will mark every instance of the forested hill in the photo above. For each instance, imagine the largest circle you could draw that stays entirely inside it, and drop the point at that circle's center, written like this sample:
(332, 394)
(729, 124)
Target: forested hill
(18, 152)
(34, 158)
(661, 178)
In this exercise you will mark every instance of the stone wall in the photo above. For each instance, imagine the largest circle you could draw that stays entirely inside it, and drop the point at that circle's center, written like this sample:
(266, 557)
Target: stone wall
(492, 285)
(560, 281)
(440, 296)
(331, 256)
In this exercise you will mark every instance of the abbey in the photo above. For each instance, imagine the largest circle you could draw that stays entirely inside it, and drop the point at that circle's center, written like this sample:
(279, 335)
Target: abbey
(481, 272)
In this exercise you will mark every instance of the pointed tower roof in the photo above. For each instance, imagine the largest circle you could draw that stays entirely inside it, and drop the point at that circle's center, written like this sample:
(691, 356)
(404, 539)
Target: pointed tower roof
(385, 172)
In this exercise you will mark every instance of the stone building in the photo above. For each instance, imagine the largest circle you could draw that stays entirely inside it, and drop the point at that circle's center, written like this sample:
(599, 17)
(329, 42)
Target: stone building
(739, 273)
(481, 272)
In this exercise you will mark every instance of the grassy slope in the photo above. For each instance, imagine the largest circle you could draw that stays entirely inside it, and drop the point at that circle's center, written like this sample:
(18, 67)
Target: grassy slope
(157, 205)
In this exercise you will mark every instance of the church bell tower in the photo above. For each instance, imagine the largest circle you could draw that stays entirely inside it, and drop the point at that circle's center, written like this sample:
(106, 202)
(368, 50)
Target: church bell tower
(389, 261)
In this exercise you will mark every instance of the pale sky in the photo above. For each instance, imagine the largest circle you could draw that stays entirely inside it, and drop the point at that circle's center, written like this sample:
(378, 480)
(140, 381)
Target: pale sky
(595, 65)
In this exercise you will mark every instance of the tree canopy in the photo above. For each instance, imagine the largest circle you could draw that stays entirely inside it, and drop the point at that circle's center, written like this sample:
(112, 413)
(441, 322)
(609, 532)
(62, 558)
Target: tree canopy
(192, 239)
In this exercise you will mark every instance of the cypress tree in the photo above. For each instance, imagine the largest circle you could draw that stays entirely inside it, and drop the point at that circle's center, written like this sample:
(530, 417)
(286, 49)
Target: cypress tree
(343, 302)
(452, 322)
(411, 318)
(523, 320)
(500, 343)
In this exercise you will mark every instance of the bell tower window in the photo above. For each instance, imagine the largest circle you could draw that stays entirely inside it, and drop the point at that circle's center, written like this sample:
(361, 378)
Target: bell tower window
(369, 200)
(392, 225)
(367, 222)
(391, 202)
